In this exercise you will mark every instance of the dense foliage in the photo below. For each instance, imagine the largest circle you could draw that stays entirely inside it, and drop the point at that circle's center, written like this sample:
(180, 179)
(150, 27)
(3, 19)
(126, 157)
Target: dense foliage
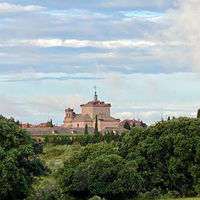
(198, 113)
(19, 163)
(167, 155)
(98, 169)
(83, 139)
(164, 158)
(127, 125)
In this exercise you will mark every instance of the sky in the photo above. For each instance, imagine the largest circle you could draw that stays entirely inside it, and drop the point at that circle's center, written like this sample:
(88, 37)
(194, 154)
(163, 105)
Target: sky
(143, 57)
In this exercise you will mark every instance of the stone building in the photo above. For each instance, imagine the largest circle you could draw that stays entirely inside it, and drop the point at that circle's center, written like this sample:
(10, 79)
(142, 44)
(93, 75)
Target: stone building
(88, 116)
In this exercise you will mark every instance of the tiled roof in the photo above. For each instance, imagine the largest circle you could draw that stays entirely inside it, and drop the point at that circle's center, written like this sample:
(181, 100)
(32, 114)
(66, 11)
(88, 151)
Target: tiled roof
(131, 122)
(107, 118)
(80, 117)
(96, 104)
(57, 131)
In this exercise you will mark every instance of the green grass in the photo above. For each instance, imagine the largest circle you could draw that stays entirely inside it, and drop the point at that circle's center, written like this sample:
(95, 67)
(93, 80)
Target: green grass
(55, 155)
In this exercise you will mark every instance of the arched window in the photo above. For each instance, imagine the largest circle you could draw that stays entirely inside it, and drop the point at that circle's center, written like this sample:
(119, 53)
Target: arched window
(77, 125)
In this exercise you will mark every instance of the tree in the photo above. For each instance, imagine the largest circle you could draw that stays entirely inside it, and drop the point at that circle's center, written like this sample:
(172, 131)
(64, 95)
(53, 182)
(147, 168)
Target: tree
(49, 123)
(86, 130)
(198, 113)
(142, 124)
(19, 162)
(98, 169)
(96, 126)
(167, 155)
(127, 125)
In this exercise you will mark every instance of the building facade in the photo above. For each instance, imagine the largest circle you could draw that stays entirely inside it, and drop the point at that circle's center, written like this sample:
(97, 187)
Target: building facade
(88, 116)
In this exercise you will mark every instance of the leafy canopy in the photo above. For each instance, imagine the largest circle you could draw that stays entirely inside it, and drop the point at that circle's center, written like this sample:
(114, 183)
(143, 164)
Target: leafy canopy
(19, 163)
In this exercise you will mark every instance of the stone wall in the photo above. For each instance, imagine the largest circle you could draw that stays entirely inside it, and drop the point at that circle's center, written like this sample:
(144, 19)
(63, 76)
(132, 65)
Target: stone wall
(104, 111)
(93, 111)
(86, 110)
(104, 124)
(81, 124)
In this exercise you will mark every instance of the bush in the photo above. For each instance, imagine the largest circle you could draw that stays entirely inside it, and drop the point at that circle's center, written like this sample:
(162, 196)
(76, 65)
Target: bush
(49, 191)
(150, 195)
(96, 198)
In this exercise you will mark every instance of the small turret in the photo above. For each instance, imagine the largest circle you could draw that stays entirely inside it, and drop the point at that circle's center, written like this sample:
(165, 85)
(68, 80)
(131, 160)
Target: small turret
(69, 113)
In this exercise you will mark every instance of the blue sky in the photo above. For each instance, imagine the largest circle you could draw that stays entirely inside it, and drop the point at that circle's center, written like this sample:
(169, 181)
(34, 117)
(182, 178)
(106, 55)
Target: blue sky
(143, 56)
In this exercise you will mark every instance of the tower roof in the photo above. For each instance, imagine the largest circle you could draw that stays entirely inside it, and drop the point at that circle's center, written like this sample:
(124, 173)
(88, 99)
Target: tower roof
(96, 102)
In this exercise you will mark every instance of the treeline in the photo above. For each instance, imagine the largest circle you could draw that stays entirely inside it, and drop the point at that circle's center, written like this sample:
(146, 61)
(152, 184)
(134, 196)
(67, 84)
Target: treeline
(145, 163)
(83, 139)
(153, 161)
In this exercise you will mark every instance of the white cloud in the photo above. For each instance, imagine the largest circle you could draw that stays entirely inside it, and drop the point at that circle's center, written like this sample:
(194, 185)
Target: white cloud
(8, 106)
(136, 4)
(53, 104)
(124, 115)
(36, 109)
(12, 8)
(111, 44)
(181, 33)
(114, 79)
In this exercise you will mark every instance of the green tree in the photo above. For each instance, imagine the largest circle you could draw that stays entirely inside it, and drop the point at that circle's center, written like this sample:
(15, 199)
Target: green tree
(19, 163)
(98, 169)
(49, 123)
(127, 125)
(107, 174)
(96, 126)
(86, 130)
(142, 124)
(167, 155)
(198, 113)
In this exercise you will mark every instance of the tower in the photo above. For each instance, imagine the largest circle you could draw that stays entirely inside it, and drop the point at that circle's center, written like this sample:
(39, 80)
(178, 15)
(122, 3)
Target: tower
(69, 114)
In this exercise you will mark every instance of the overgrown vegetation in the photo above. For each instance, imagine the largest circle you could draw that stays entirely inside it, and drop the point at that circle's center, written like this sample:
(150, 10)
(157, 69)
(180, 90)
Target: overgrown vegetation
(158, 162)
(164, 158)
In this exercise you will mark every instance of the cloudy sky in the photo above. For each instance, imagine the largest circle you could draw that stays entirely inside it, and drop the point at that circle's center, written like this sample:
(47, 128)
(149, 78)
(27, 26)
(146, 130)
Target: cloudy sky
(142, 55)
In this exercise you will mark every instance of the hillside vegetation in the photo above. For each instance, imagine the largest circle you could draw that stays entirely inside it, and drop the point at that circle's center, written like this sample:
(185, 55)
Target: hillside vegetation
(157, 162)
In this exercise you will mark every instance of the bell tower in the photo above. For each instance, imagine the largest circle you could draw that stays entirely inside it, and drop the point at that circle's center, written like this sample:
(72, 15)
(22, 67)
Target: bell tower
(69, 114)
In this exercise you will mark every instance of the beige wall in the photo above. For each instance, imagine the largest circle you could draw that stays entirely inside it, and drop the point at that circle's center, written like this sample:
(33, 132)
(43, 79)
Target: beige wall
(81, 124)
(93, 111)
(104, 111)
(104, 124)
(101, 124)
(87, 111)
